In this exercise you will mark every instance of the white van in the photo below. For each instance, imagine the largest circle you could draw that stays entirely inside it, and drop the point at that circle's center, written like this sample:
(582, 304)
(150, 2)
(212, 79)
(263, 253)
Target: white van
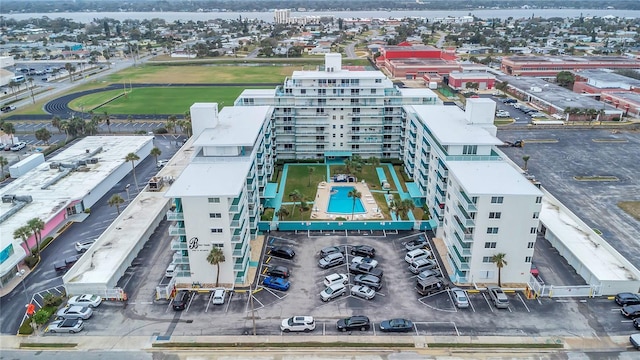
(413, 255)
(218, 297)
(171, 270)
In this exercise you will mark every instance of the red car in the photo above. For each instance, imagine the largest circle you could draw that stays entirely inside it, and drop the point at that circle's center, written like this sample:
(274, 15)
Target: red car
(534, 270)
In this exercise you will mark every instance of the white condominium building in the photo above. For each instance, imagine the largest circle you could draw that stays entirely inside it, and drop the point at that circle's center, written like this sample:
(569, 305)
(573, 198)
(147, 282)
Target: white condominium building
(281, 16)
(217, 196)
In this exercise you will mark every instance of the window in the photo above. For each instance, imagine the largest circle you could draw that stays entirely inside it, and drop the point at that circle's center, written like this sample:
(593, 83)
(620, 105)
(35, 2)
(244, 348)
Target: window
(214, 200)
(215, 215)
(487, 274)
(533, 230)
(469, 149)
(219, 246)
(495, 215)
(539, 200)
(490, 245)
(303, 91)
(497, 199)
(536, 215)
(530, 245)
(492, 230)
(486, 259)
(527, 259)
(216, 230)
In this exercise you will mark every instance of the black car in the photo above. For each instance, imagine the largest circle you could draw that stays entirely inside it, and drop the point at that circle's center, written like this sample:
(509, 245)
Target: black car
(330, 250)
(357, 322)
(636, 323)
(396, 325)
(631, 311)
(371, 281)
(72, 259)
(60, 266)
(182, 300)
(365, 269)
(363, 250)
(626, 298)
(279, 271)
(284, 252)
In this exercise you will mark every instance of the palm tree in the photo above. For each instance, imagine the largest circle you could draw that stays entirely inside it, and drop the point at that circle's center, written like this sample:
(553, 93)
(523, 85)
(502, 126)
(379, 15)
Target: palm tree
(355, 194)
(68, 67)
(3, 162)
(282, 213)
(526, 158)
(172, 120)
(215, 257)
(296, 196)
(155, 152)
(107, 121)
(393, 207)
(56, 122)
(374, 161)
(310, 169)
(404, 207)
(36, 225)
(23, 234)
(9, 129)
(133, 158)
(116, 200)
(500, 262)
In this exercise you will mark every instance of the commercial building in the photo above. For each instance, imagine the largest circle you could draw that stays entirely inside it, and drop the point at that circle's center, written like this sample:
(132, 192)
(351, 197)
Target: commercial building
(61, 189)
(459, 80)
(602, 81)
(414, 61)
(550, 66)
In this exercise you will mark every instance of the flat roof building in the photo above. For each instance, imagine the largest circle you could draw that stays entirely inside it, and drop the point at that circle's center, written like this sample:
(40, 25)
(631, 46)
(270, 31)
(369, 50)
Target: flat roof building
(550, 66)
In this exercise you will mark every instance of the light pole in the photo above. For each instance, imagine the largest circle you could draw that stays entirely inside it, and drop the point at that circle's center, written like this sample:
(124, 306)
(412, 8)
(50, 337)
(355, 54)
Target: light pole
(127, 189)
(21, 275)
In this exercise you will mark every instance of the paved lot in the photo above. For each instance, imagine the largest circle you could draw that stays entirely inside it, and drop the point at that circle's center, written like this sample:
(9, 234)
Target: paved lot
(588, 153)
(433, 315)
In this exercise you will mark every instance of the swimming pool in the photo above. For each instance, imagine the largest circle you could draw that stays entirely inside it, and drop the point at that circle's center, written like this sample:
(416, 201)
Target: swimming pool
(341, 203)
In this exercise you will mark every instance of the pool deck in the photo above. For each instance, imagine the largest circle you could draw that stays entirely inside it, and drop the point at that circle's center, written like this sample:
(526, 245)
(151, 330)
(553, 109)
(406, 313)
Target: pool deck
(321, 202)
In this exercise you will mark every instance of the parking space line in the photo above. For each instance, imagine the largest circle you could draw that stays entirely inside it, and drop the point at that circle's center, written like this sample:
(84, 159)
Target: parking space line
(170, 305)
(209, 302)
(523, 303)
(451, 298)
(488, 303)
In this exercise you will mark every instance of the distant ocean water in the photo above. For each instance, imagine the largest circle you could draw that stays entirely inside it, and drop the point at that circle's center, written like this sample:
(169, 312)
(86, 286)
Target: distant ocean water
(85, 17)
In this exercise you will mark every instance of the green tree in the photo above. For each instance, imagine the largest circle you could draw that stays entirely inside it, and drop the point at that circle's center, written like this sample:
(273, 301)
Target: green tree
(525, 158)
(133, 158)
(565, 79)
(355, 194)
(216, 257)
(404, 207)
(3, 162)
(296, 196)
(172, 121)
(116, 200)
(56, 122)
(9, 129)
(374, 161)
(499, 260)
(310, 169)
(282, 213)
(155, 152)
(36, 225)
(23, 234)
(107, 120)
(43, 134)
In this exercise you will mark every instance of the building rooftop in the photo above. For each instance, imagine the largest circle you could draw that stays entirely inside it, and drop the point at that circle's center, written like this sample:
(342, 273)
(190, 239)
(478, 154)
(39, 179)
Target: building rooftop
(450, 127)
(425, 62)
(48, 200)
(491, 178)
(340, 74)
(258, 93)
(607, 76)
(472, 75)
(417, 92)
(229, 132)
(629, 96)
(571, 59)
(209, 179)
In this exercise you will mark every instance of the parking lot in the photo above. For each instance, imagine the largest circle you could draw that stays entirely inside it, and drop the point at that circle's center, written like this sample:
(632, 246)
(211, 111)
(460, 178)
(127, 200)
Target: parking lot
(433, 315)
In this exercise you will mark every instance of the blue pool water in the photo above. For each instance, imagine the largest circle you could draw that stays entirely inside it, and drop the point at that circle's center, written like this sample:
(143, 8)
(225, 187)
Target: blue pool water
(341, 203)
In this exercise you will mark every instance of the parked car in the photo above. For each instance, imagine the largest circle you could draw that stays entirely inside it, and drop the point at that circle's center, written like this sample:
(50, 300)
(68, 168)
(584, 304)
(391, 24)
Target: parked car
(60, 266)
(509, 101)
(356, 322)
(181, 300)
(416, 244)
(429, 273)
(635, 341)
(626, 298)
(279, 271)
(365, 269)
(218, 297)
(364, 260)
(396, 325)
(534, 270)
(363, 291)
(19, 146)
(75, 312)
(161, 163)
(631, 311)
(72, 260)
(7, 108)
(88, 300)
(636, 323)
(330, 250)
(331, 260)
(298, 323)
(284, 252)
(422, 264)
(416, 254)
(460, 298)
(363, 250)
(82, 246)
(499, 298)
(430, 285)
(7, 147)
(66, 325)
(335, 279)
(371, 281)
(333, 291)
(276, 283)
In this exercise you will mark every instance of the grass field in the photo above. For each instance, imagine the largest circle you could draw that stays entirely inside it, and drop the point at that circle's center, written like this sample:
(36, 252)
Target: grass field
(157, 100)
(631, 207)
(203, 74)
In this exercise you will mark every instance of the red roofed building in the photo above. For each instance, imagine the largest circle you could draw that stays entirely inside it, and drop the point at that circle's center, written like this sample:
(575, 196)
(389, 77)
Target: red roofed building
(414, 61)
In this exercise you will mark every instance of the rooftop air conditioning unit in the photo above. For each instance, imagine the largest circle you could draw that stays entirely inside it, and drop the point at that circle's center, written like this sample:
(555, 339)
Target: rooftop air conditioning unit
(54, 165)
(92, 161)
(7, 199)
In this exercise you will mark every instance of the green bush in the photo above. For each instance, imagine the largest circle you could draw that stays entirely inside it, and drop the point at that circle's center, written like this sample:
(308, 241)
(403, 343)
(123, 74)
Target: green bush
(340, 218)
(25, 328)
(51, 300)
(267, 215)
(42, 316)
(160, 130)
(45, 242)
(31, 261)
(87, 211)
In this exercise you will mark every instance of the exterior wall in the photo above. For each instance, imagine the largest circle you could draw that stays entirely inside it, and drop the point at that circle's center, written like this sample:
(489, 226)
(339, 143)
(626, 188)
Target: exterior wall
(460, 83)
(628, 106)
(549, 69)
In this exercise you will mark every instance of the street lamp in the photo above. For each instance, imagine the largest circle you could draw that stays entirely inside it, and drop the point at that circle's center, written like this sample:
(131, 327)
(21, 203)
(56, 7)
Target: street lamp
(127, 189)
(23, 279)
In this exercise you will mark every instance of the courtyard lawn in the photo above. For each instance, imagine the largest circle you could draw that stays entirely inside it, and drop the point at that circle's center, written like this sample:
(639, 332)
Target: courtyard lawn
(156, 100)
(203, 74)
(298, 179)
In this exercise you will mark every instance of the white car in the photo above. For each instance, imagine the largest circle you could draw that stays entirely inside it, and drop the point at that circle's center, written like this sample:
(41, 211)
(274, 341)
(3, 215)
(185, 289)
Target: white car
(460, 298)
(364, 260)
(82, 246)
(298, 323)
(19, 146)
(69, 325)
(218, 297)
(332, 292)
(89, 300)
(162, 163)
(363, 291)
(335, 279)
(75, 312)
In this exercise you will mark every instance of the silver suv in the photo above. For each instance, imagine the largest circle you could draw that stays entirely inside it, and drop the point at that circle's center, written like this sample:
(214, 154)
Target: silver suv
(82, 246)
(331, 260)
(499, 298)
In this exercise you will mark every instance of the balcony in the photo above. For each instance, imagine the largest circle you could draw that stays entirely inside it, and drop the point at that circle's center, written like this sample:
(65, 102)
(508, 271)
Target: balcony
(177, 231)
(442, 170)
(461, 261)
(179, 259)
(464, 245)
(441, 182)
(464, 217)
(467, 205)
(468, 234)
(175, 216)
(179, 245)
(240, 253)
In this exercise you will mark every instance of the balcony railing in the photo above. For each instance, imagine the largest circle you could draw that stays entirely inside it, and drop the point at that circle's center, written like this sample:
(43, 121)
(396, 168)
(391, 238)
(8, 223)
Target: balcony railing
(177, 231)
(175, 216)
(467, 205)
(179, 245)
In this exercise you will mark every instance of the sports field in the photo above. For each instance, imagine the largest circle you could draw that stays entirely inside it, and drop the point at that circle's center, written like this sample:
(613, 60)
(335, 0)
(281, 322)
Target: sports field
(155, 100)
(203, 74)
